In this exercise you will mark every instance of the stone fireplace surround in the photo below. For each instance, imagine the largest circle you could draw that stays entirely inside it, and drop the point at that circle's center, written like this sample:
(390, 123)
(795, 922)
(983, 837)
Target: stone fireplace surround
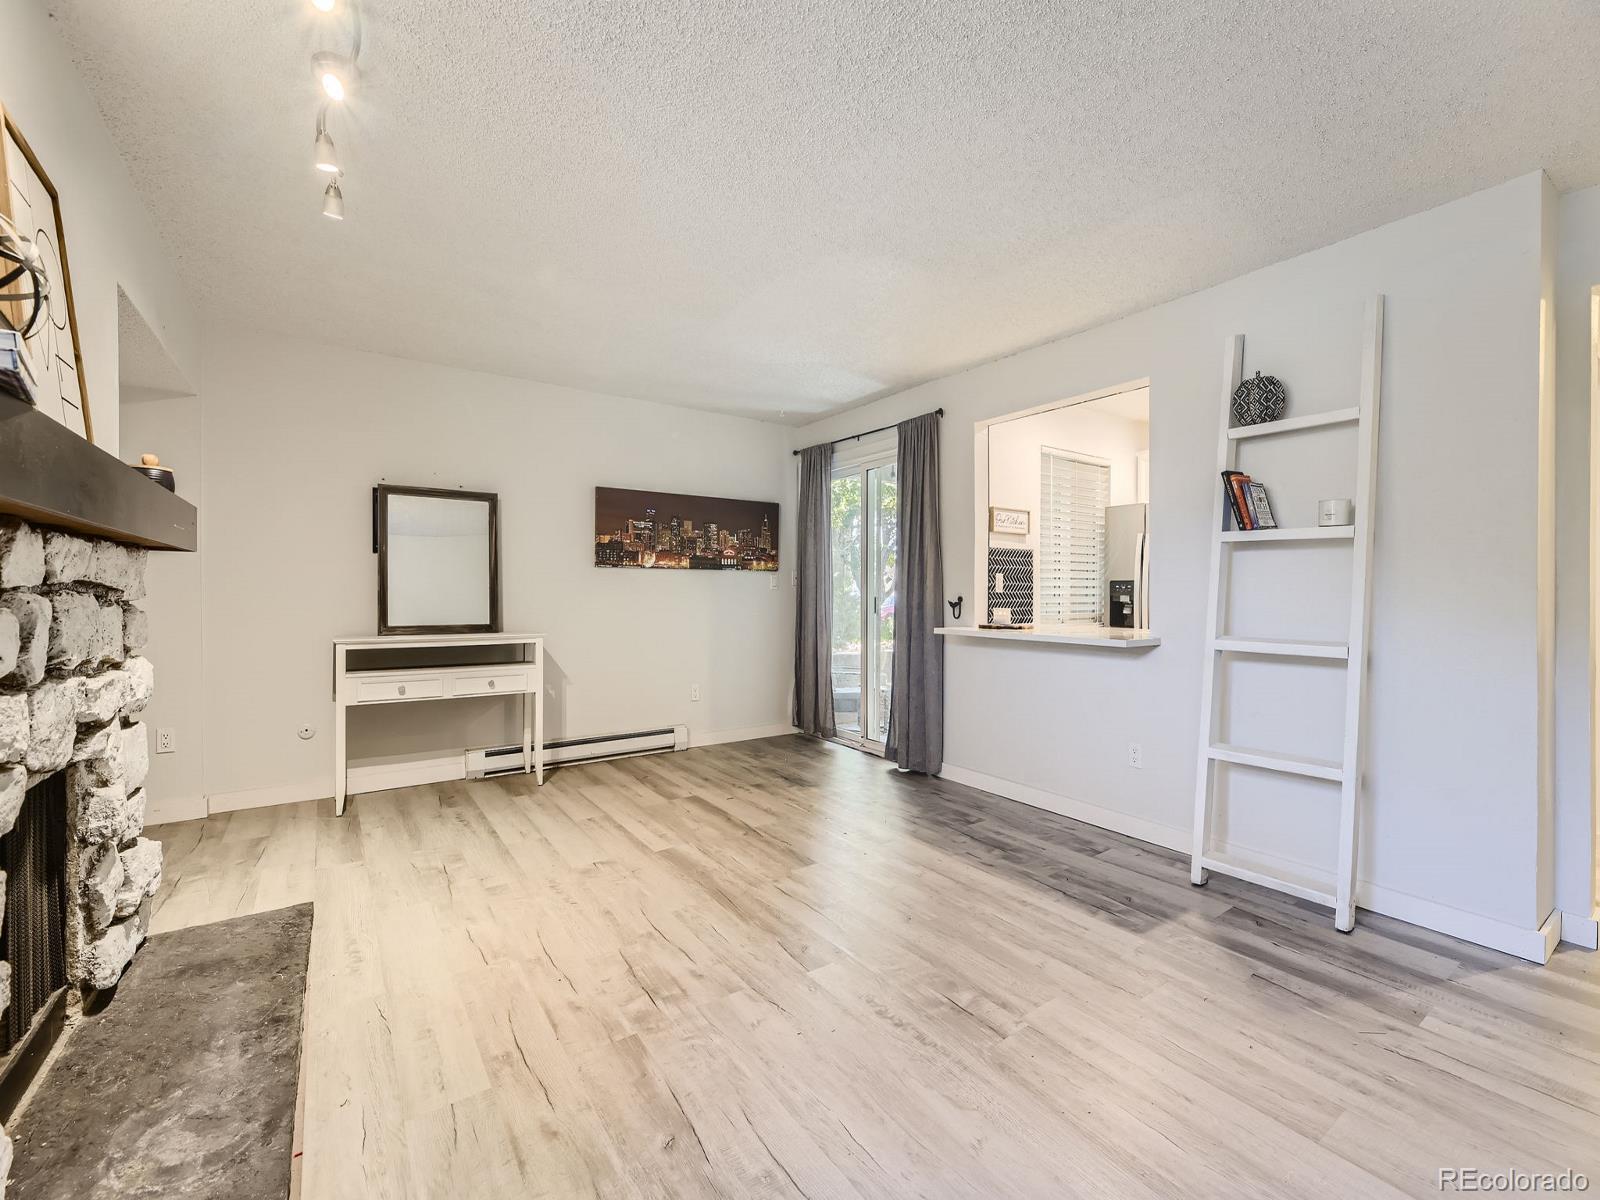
(72, 687)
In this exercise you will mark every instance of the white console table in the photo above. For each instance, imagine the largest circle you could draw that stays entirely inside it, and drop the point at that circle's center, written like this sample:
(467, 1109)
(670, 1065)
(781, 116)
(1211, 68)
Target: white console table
(406, 685)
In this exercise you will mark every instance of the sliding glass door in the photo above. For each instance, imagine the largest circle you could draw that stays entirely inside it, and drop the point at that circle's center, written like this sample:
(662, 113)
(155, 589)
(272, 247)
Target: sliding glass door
(864, 533)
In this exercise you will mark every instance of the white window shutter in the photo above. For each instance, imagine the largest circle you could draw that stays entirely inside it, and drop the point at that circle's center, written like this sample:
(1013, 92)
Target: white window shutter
(1073, 492)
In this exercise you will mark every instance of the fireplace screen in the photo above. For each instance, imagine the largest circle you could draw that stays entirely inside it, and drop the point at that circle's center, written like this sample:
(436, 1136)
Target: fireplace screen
(33, 935)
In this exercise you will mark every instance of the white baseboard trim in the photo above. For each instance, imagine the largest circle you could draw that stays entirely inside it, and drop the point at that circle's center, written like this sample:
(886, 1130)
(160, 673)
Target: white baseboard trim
(382, 774)
(1535, 945)
(1550, 933)
(267, 797)
(748, 734)
(398, 771)
(1581, 931)
(1531, 944)
(1064, 806)
(365, 775)
(166, 810)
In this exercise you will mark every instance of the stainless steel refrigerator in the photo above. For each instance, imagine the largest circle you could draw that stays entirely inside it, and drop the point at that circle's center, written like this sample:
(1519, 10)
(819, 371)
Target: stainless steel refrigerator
(1127, 597)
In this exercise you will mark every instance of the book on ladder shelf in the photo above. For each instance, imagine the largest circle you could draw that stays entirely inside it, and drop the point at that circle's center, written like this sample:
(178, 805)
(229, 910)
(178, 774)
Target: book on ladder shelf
(1247, 502)
(1242, 502)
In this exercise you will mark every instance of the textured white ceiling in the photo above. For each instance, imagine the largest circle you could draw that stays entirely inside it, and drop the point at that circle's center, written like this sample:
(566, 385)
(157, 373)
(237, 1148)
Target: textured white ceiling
(786, 207)
(145, 370)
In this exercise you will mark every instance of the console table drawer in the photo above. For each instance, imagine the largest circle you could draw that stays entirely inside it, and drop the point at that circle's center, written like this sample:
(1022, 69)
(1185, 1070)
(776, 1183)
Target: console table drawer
(378, 691)
(496, 684)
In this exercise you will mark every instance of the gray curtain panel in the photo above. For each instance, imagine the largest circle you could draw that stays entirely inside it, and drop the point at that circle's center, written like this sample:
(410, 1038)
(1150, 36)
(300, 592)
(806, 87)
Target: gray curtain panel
(813, 614)
(916, 704)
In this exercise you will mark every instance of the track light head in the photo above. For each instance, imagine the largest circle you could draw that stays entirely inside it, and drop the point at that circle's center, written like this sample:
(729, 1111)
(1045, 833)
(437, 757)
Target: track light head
(333, 202)
(326, 159)
(335, 74)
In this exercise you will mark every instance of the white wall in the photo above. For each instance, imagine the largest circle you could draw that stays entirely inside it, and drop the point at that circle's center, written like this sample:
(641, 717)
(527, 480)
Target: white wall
(1577, 273)
(1545, 533)
(110, 239)
(175, 788)
(296, 435)
(1451, 820)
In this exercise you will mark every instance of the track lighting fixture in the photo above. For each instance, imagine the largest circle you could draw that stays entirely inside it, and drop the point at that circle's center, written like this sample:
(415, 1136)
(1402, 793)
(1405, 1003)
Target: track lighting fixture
(335, 75)
(327, 160)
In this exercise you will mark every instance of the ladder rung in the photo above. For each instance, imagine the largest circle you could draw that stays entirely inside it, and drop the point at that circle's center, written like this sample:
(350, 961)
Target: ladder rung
(1339, 416)
(1279, 648)
(1291, 764)
(1311, 533)
(1302, 886)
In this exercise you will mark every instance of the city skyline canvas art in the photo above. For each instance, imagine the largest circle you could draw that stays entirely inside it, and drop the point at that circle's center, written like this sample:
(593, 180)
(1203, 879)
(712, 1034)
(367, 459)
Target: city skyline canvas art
(671, 531)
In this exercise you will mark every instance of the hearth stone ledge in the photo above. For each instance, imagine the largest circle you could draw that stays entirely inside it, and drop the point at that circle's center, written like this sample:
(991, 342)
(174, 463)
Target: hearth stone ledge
(73, 686)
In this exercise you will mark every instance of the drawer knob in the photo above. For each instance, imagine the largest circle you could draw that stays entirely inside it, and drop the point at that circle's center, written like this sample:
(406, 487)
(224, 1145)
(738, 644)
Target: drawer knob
(491, 683)
(402, 689)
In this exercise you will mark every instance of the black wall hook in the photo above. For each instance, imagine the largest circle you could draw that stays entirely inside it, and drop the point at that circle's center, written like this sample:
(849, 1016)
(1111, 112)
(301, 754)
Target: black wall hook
(955, 607)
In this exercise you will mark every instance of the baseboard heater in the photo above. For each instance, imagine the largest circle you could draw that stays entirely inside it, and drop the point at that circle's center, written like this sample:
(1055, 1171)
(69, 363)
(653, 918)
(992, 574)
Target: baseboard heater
(501, 760)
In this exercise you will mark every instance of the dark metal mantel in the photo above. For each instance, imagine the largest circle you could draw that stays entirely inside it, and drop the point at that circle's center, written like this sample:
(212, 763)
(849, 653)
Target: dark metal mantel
(51, 476)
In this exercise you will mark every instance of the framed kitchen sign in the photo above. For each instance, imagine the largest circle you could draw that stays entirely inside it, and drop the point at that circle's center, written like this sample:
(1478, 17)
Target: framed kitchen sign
(52, 359)
(1009, 520)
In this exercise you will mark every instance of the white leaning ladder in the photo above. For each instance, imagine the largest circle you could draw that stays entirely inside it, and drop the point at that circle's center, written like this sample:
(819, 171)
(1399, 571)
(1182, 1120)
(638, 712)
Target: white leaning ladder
(1347, 772)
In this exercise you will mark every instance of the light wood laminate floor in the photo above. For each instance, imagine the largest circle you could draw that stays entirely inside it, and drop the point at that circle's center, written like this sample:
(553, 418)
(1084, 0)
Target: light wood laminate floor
(779, 969)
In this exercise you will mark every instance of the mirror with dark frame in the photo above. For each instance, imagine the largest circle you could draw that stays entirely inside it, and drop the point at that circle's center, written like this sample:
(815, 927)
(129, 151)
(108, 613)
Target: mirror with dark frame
(438, 560)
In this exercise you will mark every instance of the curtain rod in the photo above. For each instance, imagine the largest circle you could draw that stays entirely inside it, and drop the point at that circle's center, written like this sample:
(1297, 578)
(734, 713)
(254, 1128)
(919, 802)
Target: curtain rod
(856, 437)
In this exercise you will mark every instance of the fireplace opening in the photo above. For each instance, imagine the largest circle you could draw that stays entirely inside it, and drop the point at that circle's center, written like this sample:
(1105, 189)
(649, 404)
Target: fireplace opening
(33, 933)
(33, 936)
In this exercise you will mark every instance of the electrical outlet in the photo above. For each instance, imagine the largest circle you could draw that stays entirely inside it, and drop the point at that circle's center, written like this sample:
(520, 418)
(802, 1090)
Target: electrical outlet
(305, 733)
(166, 741)
(1136, 756)
(694, 691)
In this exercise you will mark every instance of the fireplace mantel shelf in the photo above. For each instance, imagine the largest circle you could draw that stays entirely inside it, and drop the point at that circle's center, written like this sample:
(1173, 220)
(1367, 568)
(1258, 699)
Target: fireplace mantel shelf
(51, 476)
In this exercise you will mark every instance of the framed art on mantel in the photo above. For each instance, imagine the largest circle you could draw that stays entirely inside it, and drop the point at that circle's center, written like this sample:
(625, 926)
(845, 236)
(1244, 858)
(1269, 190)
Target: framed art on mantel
(52, 357)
